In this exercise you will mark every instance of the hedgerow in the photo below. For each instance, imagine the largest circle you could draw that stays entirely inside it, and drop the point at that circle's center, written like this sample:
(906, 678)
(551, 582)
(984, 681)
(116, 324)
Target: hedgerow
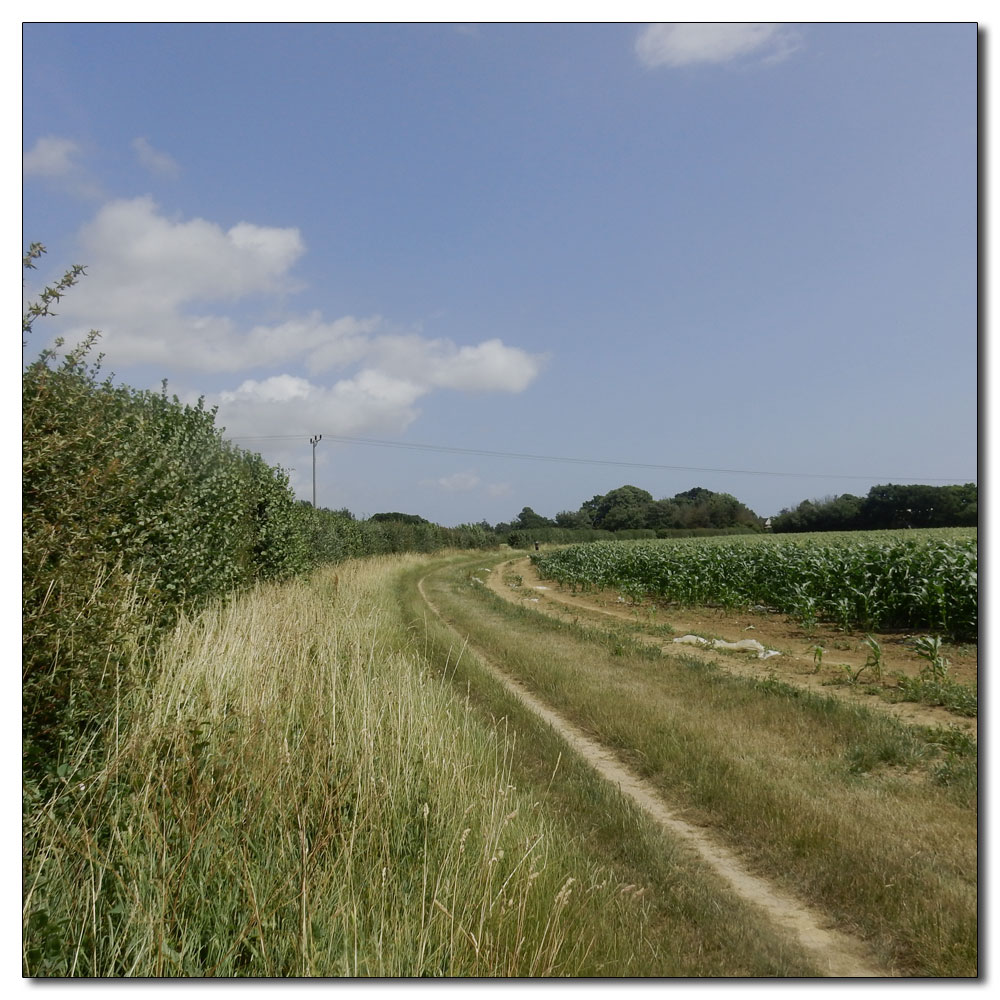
(136, 511)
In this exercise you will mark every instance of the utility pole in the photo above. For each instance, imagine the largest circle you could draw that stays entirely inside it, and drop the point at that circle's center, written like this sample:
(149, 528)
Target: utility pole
(315, 441)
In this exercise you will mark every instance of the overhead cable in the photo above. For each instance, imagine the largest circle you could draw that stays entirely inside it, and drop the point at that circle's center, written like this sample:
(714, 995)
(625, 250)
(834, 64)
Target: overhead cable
(484, 453)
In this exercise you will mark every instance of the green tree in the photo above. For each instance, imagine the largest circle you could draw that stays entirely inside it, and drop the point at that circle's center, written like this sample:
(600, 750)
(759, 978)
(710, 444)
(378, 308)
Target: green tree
(624, 508)
(573, 519)
(663, 514)
(529, 519)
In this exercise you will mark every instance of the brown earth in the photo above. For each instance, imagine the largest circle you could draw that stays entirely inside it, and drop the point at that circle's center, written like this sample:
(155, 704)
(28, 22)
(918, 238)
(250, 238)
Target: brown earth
(517, 581)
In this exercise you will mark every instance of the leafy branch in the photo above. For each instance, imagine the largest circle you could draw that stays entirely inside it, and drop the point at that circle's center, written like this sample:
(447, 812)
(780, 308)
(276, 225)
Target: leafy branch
(51, 293)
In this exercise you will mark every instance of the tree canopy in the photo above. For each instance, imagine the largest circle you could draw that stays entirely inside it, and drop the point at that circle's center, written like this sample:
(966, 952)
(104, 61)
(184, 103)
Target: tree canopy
(630, 508)
(886, 506)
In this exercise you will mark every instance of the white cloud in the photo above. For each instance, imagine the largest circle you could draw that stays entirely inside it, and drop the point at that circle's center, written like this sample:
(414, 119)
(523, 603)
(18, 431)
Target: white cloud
(689, 43)
(277, 389)
(329, 345)
(459, 482)
(150, 279)
(487, 367)
(139, 252)
(51, 156)
(161, 291)
(286, 404)
(154, 160)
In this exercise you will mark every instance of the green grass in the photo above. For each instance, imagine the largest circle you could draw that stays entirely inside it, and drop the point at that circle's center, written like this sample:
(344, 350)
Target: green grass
(696, 927)
(873, 821)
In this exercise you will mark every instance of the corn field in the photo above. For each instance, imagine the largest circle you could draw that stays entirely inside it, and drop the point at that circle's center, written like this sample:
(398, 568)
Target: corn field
(871, 580)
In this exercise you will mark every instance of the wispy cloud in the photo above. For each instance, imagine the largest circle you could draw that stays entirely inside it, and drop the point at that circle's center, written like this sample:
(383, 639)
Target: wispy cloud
(51, 156)
(155, 161)
(459, 482)
(467, 482)
(58, 161)
(687, 44)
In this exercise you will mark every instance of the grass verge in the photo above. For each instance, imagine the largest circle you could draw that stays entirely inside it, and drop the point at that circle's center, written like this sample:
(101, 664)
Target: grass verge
(305, 787)
(869, 819)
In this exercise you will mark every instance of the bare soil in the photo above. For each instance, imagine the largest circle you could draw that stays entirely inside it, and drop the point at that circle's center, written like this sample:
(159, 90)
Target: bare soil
(659, 623)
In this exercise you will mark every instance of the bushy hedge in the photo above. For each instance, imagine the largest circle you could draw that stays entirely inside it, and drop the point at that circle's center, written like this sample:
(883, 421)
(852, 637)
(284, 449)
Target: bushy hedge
(136, 511)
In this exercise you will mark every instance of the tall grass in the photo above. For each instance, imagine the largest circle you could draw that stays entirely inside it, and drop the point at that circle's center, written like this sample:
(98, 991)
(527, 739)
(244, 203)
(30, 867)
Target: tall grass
(294, 794)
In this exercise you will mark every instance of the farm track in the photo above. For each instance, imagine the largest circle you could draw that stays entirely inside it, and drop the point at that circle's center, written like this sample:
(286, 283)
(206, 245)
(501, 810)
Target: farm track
(548, 599)
(839, 954)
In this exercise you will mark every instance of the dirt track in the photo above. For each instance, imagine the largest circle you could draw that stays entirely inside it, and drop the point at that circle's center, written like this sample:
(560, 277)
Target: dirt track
(838, 954)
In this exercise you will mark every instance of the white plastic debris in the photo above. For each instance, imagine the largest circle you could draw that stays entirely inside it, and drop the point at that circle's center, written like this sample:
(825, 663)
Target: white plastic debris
(744, 644)
(692, 640)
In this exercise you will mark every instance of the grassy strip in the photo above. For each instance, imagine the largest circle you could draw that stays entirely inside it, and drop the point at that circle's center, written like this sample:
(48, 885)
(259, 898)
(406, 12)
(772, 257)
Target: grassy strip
(692, 925)
(852, 809)
(298, 792)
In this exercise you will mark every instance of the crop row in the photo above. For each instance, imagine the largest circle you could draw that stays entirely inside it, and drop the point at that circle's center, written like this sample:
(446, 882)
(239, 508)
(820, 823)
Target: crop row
(881, 580)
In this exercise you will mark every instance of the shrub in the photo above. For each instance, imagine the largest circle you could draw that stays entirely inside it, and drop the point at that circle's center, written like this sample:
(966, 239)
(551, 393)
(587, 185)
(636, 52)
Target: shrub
(134, 511)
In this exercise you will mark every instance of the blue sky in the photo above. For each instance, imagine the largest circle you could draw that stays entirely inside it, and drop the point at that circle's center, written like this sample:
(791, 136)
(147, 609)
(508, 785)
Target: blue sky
(698, 248)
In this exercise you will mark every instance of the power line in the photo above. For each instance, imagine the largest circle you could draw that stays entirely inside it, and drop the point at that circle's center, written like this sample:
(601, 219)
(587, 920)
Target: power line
(483, 453)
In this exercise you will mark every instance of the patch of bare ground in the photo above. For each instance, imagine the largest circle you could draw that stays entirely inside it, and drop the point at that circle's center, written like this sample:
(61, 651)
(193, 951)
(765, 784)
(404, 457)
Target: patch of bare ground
(517, 581)
(835, 953)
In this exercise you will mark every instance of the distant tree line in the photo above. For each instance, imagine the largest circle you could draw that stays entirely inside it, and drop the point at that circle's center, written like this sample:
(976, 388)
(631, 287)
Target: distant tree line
(888, 506)
(334, 535)
(631, 512)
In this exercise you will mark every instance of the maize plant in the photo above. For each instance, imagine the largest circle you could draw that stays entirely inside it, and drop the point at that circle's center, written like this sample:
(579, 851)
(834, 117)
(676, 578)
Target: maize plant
(872, 580)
